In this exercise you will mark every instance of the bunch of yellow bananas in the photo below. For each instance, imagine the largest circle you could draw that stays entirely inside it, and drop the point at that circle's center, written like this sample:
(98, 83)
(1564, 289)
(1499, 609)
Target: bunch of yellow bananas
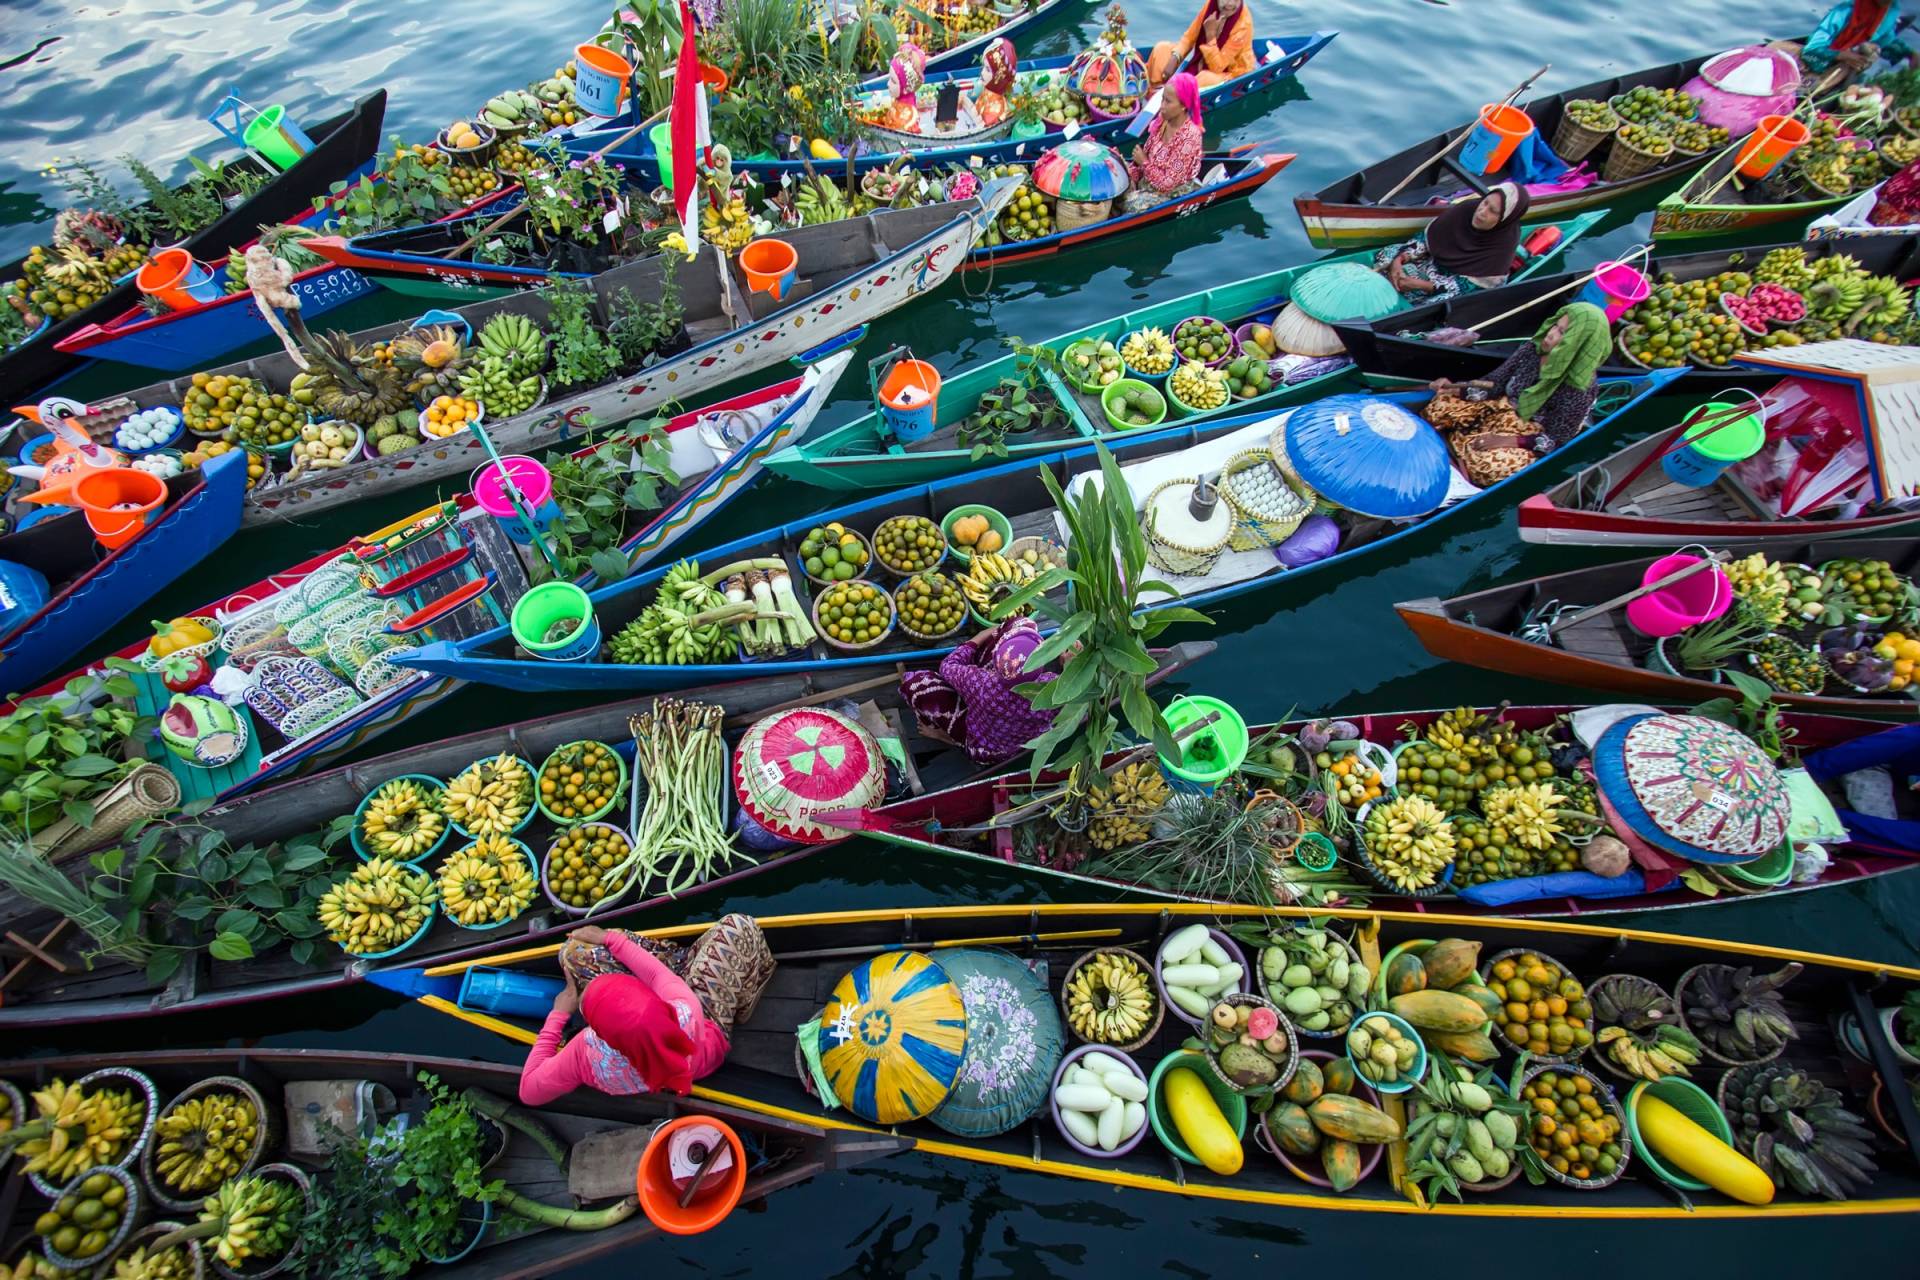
(31, 1266)
(144, 1263)
(251, 1217)
(1530, 814)
(76, 1129)
(377, 907)
(1121, 812)
(488, 882)
(490, 797)
(203, 1141)
(401, 820)
(1109, 1001)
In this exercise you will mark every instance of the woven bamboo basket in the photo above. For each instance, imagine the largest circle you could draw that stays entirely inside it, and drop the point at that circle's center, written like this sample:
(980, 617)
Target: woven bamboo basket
(1173, 557)
(1260, 523)
(1572, 141)
(1628, 161)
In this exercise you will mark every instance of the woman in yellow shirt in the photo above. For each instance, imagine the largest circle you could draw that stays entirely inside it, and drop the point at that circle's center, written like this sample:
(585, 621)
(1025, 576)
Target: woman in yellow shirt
(1218, 46)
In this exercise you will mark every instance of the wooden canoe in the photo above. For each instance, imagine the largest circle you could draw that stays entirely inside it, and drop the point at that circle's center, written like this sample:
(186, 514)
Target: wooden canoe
(343, 146)
(852, 272)
(785, 1153)
(1013, 489)
(1280, 58)
(1347, 213)
(865, 455)
(710, 478)
(1609, 505)
(956, 821)
(1602, 652)
(109, 991)
(91, 592)
(411, 260)
(816, 951)
(1025, 19)
(1709, 204)
(1392, 352)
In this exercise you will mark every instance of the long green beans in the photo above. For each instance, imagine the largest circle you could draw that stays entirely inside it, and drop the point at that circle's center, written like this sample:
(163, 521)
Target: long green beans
(679, 839)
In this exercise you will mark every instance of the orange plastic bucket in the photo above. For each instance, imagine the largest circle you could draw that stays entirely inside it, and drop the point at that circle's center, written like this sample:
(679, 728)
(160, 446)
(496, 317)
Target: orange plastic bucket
(659, 1195)
(600, 79)
(771, 265)
(118, 502)
(1501, 128)
(1772, 140)
(910, 399)
(179, 282)
(714, 78)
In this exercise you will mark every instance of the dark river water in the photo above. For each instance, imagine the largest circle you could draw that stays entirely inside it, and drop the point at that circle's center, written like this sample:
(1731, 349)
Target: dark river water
(141, 77)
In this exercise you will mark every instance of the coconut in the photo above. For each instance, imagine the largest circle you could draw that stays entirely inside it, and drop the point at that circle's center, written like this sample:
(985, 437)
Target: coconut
(1606, 856)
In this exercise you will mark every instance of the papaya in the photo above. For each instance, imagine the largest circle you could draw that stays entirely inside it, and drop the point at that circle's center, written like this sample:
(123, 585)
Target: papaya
(1293, 1129)
(1338, 1076)
(1306, 1085)
(1339, 1116)
(1474, 1046)
(1406, 975)
(1450, 962)
(1341, 1160)
(1486, 999)
(1439, 1011)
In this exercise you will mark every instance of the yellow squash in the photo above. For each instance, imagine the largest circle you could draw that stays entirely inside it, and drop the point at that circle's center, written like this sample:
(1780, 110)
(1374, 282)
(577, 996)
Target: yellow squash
(1200, 1123)
(1683, 1144)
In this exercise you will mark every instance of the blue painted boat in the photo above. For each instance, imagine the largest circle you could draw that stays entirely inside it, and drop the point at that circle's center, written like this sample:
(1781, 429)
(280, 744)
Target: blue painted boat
(1014, 489)
(93, 592)
(1281, 58)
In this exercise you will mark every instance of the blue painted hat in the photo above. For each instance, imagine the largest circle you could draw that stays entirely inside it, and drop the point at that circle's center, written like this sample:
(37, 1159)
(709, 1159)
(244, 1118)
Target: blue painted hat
(1369, 455)
(892, 1037)
(1693, 787)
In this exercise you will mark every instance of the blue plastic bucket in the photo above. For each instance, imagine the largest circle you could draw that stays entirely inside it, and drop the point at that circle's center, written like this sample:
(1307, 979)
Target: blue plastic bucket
(1706, 450)
(201, 285)
(546, 604)
(507, 994)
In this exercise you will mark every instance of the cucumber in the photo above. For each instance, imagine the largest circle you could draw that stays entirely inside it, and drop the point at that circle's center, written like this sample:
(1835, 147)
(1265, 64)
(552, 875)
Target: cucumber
(1082, 1126)
(1128, 1087)
(1104, 1064)
(1213, 953)
(1189, 999)
(1108, 1129)
(1082, 1097)
(1227, 978)
(1136, 1115)
(1197, 976)
(1181, 945)
(1080, 1075)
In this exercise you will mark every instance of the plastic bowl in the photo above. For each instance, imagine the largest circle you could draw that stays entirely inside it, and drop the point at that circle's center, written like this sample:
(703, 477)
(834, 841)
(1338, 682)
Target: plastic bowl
(546, 867)
(1691, 1101)
(1311, 1169)
(1232, 1105)
(359, 811)
(1768, 871)
(613, 799)
(452, 919)
(1054, 1107)
(997, 522)
(1238, 957)
(1407, 1078)
(1109, 397)
(533, 776)
(1233, 345)
(1243, 337)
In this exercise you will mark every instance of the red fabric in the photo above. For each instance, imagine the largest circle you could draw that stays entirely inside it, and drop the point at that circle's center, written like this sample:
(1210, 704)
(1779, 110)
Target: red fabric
(1659, 869)
(1166, 162)
(644, 1029)
(1865, 19)
(1899, 203)
(684, 125)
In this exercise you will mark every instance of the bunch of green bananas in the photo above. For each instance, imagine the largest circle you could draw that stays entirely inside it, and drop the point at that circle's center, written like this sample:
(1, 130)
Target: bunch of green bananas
(203, 1141)
(251, 1217)
(820, 200)
(491, 381)
(1669, 1051)
(515, 341)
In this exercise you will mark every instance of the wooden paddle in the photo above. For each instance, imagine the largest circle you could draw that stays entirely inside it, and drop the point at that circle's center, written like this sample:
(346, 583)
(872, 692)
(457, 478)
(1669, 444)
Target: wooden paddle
(1643, 250)
(998, 940)
(1451, 147)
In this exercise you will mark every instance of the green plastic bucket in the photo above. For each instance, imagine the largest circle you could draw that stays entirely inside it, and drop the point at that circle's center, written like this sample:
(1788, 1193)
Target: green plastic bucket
(1691, 1101)
(661, 136)
(1706, 448)
(1232, 1105)
(1210, 756)
(1110, 397)
(552, 602)
(1768, 871)
(277, 138)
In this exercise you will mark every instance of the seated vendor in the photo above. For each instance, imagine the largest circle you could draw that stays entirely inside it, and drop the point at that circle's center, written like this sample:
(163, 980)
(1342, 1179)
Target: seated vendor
(1167, 162)
(1550, 383)
(1218, 46)
(1852, 37)
(646, 1030)
(1469, 246)
(972, 700)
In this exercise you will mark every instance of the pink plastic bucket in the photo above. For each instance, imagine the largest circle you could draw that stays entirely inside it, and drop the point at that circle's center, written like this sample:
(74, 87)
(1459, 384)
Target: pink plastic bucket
(1699, 597)
(531, 478)
(1616, 288)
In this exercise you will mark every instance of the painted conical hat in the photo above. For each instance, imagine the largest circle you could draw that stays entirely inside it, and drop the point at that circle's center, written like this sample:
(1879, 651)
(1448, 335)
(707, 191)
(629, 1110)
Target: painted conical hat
(892, 1037)
(1014, 1039)
(1369, 455)
(794, 764)
(1693, 787)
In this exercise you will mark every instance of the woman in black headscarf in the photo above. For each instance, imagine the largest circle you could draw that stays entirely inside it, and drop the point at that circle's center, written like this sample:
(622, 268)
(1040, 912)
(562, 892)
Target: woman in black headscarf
(1469, 246)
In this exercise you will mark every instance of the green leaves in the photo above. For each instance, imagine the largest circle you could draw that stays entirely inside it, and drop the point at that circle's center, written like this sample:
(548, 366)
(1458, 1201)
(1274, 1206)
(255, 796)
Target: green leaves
(230, 946)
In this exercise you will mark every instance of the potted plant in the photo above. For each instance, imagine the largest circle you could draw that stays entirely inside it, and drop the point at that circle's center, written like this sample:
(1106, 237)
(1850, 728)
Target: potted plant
(1024, 108)
(1707, 648)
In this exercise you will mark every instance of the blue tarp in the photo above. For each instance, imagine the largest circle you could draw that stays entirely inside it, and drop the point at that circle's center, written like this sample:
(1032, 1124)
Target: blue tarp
(1560, 884)
(1898, 751)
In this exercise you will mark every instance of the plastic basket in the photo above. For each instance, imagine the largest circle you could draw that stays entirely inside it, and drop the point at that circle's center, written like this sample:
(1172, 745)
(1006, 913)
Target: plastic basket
(114, 1078)
(1409, 1077)
(436, 789)
(1267, 989)
(455, 920)
(532, 783)
(130, 1212)
(1287, 1068)
(614, 797)
(1232, 1105)
(1074, 1056)
(1310, 1169)
(546, 882)
(1234, 953)
(1159, 998)
(1486, 968)
(1691, 1101)
(261, 1268)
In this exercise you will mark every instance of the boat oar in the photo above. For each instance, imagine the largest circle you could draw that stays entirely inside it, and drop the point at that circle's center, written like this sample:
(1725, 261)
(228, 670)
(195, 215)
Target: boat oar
(518, 499)
(1467, 337)
(1608, 606)
(1466, 133)
(999, 940)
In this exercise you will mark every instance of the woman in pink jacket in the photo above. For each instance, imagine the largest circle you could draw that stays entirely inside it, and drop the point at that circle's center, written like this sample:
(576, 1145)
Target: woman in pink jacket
(646, 1030)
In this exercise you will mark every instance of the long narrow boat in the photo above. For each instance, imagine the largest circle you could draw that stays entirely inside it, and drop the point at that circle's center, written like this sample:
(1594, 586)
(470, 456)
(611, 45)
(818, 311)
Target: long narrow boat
(1395, 350)
(864, 454)
(969, 821)
(410, 260)
(108, 990)
(1280, 59)
(1023, 21)
(1711, 203)
(189, 339)
(815, 952)
(1347, 213)
(782, 1153)
(452, 547)
(343, 145)
(1604, 652)
(89, 591)
(850, 273)
(1628, 499)
(1016, 491)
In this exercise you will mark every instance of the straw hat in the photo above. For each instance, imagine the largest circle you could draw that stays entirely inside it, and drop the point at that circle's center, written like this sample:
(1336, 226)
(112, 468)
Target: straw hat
(1336, 291)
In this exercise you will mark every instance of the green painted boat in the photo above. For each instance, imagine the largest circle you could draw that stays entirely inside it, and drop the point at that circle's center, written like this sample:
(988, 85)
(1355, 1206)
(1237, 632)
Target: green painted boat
(864, 454)
(455, 292)
(1715, 201)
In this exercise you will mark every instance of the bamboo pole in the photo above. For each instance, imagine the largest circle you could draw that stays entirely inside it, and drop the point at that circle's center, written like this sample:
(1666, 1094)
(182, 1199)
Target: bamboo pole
(1451, 147)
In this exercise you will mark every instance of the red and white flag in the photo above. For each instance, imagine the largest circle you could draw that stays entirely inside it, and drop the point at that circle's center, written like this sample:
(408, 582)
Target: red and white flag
(689, 129)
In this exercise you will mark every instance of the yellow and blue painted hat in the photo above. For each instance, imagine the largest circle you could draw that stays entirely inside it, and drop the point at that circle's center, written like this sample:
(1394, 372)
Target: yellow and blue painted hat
(892, 1037)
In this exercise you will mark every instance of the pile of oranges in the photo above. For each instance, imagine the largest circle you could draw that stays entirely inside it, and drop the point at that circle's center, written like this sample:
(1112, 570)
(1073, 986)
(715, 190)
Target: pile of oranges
(1903, 651)
(1573, 1130)
(448, 415)
(1355, 782)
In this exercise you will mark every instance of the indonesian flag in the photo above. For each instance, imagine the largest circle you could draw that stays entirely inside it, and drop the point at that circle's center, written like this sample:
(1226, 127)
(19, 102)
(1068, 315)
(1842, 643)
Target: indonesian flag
(688, 127)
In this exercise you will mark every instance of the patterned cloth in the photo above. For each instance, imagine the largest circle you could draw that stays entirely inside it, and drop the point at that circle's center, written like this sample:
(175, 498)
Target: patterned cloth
(1166, 163)
(971, 699)
(1564, 414)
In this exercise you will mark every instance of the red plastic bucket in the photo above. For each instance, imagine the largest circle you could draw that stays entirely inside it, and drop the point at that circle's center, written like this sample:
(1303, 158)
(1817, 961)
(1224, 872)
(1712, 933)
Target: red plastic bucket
(1499, 130)
(600, 79)
(660, 1194)
(1699, 597)
(118, 502)
(1772, 140)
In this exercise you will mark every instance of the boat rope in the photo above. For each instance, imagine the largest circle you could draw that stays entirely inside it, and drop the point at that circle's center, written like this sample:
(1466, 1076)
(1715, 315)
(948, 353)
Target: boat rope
(1536, 625)
(1591, 487)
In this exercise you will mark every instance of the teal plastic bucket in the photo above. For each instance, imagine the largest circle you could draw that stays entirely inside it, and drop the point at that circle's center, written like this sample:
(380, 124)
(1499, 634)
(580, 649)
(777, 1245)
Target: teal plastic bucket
(507, 994)
(661, 136)
(277, 138)
(1210, 756)
(552, 602)
(1691, 1101)
(1699, 457)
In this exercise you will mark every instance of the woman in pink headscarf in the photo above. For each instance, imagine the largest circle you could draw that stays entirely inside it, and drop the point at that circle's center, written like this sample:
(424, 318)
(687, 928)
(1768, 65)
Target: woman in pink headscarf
(1167, 163)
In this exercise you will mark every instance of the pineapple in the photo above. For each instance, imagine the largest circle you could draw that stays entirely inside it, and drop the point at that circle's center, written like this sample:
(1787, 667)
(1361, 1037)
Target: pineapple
(348, 382)
(431, 360)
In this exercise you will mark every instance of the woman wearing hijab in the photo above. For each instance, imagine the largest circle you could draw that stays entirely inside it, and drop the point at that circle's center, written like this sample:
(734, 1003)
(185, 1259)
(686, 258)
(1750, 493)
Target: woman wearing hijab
(1551, 382)
(1168, 161)
(973, 698)
(1218, 46)
(646, 1030)
(1469, 246)
(1854, 34)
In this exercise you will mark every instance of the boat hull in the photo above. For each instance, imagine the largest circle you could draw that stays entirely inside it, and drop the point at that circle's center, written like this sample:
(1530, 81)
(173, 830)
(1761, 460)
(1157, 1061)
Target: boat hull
(1544, 522)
